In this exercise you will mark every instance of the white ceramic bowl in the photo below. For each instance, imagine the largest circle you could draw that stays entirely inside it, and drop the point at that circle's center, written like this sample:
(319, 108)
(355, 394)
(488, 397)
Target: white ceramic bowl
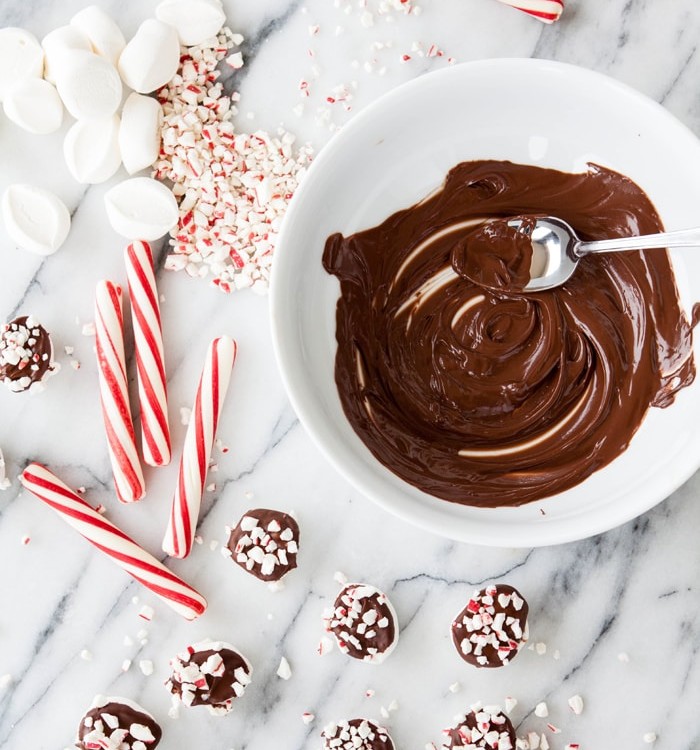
(394, 153)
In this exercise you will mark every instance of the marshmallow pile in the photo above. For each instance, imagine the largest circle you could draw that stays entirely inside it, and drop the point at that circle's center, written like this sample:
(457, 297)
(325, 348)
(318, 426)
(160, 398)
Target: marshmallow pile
(88, 69)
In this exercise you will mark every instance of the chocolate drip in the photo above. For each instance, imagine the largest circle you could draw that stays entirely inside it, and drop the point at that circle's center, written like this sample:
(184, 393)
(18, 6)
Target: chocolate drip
(487, 397)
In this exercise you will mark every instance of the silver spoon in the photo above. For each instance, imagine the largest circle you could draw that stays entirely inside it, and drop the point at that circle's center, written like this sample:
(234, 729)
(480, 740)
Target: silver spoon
(556, 250)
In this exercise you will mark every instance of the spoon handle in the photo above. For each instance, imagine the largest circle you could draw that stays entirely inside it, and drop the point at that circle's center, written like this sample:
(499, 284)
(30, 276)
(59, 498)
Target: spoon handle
(681, 238)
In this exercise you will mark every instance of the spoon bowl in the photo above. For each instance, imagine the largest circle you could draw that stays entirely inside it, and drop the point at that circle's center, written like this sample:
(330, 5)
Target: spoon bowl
(556, 249)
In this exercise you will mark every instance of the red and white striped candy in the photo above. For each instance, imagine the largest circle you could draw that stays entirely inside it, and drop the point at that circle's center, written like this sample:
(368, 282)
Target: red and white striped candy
(113, 542)
(196, 452)
(547, 11)
(114, 393)
(148, 340)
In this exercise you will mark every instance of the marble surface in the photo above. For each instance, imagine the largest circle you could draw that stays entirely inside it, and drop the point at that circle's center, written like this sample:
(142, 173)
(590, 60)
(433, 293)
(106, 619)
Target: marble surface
(629, 591)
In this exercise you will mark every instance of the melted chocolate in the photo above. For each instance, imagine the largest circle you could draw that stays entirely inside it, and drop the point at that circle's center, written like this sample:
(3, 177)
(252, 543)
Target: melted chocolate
(26, 354)
(112, 718)
(356, 734)
(265, 543)
(492, 628)
(363, 623)
(211, 674)
(491, 398)
(475, 730)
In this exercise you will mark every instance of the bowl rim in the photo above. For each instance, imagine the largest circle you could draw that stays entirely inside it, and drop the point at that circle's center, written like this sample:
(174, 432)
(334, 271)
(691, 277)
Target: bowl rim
(552, 533)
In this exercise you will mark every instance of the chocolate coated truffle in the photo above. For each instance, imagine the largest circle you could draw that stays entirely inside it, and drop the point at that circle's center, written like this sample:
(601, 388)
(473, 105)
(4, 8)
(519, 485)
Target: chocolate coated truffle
(26, 354)
(363, 622)
(117, 724)
(211, 674)
(265, 543)
(356, 734)
(492, 628)
(486, 727)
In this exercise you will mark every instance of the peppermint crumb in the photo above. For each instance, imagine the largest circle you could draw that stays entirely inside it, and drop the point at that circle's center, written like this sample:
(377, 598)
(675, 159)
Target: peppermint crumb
(369, 693)
(5, 681)
(623, 657)
(455, 687)
(185, 414)
(213, 544)
(307, 717)
(541, 648)
(146, 613)
(340, 578)
(128, 640)
(88, 329)
(510, 704)
(86, 655)
(541, 710)
(126, 665)
(576, 704)
(25, 540)
(284, 670)
(649, 738)
(146, 666)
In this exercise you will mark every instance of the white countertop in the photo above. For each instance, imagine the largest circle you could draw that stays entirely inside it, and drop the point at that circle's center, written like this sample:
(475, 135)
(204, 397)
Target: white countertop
(631, 590)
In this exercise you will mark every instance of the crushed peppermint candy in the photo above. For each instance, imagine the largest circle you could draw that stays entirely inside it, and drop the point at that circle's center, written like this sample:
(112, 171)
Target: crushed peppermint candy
(492, 628)
(482, 727)
(363, 622)
(510, 704)
(284, 671)
(4, 481)
(5, 681)
(146, 613)
(541, 710)
(356, 734)
(211, 674)
(649, 737)
(146, 667)
(576, 704)
(265, 543)
(232, 188)
(307, 717)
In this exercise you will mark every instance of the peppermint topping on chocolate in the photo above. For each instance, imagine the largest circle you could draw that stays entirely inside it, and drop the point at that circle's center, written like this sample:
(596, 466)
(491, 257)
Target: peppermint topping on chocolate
(491, 629)
(117, 724)
(363, 623)
(483, 727)
(265, 543)
(26, 354)
(356, 734)
(210, 674)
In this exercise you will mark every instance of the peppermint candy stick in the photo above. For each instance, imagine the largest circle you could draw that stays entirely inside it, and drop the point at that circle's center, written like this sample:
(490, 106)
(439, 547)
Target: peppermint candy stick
(198, 444)
(148, 340)
(546, 11)
(113, 542)
(114, 393)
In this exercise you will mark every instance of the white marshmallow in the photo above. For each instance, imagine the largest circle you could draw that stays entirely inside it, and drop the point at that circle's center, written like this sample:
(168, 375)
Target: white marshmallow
(91, 150)
(139, 134)
(195, 20)
(141, 208)
(57, 43)
(34, 105)
(36, 219)
(89, 85)
(21, 57)
(151, 58)
(105, 36)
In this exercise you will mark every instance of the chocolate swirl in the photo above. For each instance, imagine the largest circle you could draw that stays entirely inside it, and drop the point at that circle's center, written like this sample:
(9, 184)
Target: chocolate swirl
(491, 398)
